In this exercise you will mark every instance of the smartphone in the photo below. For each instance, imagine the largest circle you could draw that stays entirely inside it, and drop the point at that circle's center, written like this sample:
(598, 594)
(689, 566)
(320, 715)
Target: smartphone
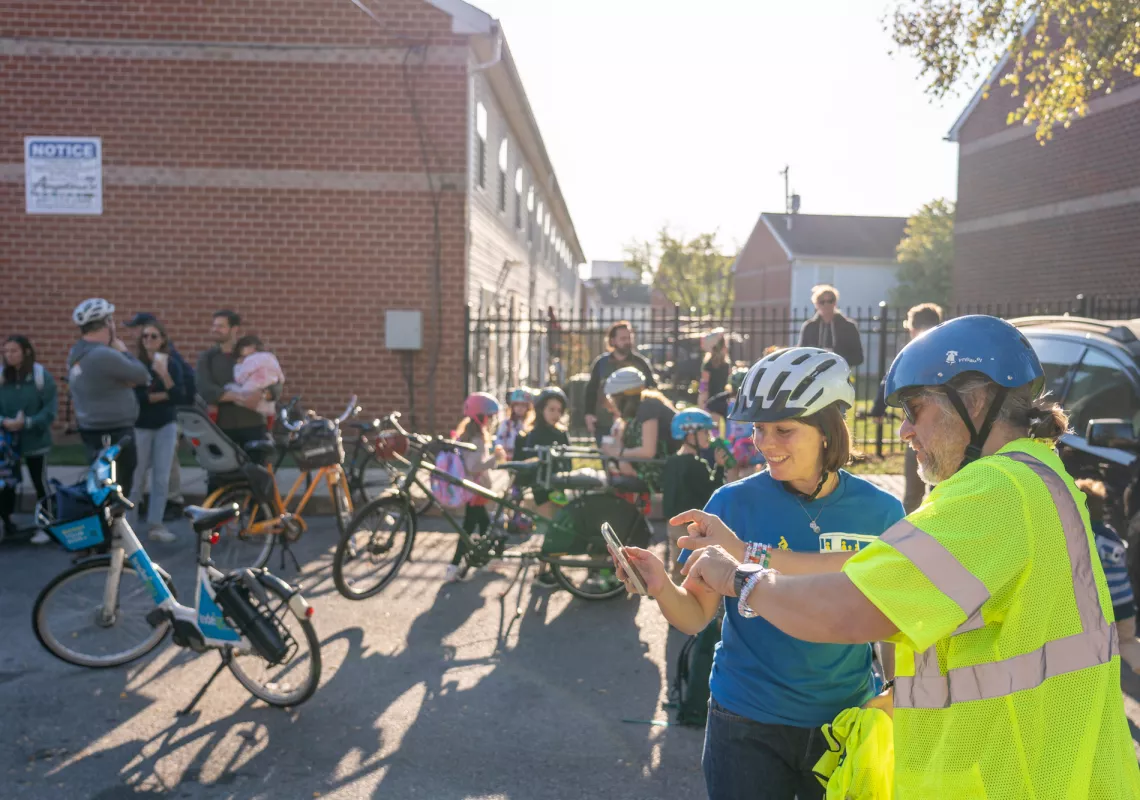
(615, 546)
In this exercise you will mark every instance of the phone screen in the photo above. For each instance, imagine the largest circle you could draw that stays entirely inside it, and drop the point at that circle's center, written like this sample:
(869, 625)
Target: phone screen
(615, 546)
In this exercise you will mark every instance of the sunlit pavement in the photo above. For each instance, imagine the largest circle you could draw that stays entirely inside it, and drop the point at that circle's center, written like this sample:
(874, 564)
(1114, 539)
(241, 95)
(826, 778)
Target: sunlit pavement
(427, 691)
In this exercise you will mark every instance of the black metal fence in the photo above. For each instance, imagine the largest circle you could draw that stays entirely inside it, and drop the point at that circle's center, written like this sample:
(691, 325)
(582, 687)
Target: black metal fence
(505, 350)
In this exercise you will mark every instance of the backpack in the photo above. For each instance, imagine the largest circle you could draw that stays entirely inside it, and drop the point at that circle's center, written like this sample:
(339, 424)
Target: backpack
(448, 494)
(37, 376)
(689, 694)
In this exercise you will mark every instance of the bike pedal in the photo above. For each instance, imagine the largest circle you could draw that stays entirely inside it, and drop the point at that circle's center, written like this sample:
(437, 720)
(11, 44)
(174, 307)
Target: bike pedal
(156, 617)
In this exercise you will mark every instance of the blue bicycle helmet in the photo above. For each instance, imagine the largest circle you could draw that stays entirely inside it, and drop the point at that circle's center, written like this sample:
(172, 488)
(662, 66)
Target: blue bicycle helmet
(977, 343)
(520, 395)
(689, 421)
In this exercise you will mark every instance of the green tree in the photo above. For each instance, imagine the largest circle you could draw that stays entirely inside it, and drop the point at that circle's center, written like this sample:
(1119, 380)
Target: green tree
(926, 257)
(1061, 52)
(692, 274)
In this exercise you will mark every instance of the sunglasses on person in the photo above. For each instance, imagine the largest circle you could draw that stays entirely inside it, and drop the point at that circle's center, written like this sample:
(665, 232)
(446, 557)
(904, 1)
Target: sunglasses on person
(826, 301)
(152, 336)
(911, 405)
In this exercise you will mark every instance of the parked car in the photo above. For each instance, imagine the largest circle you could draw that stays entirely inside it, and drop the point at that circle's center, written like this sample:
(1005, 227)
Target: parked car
(1092, 367)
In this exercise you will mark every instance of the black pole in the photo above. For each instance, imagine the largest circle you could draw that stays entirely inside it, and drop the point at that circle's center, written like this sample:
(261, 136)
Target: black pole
(883, 310)
(466, 350)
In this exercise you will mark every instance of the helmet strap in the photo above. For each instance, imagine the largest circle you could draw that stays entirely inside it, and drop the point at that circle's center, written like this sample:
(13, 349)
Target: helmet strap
(810, 497)
(978, 436)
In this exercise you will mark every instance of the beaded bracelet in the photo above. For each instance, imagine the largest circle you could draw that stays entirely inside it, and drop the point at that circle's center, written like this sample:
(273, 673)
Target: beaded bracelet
(757, 553)
(750, 584)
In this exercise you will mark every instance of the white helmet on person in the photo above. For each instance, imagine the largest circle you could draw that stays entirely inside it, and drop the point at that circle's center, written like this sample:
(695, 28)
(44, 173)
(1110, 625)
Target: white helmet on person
(791, 383)
(627, 380)
(90, 310)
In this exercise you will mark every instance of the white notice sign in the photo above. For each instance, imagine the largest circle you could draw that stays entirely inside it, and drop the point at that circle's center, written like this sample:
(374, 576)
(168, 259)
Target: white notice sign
(63, 174)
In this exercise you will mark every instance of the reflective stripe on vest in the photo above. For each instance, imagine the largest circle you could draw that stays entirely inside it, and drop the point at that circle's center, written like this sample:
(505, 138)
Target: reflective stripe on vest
(1095, 645)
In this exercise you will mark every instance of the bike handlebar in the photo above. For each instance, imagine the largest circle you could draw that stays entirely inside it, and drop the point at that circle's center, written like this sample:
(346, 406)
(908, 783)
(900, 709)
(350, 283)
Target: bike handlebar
(422, 440)
(350, 411)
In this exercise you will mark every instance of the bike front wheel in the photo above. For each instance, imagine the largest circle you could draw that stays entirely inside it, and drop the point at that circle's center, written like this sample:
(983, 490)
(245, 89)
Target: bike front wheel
(293, 680)
(71, 623)
(236, 546)
(374, 546)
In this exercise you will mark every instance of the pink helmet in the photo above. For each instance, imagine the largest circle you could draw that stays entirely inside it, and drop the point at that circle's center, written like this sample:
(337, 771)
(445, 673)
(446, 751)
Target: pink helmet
(480, 406)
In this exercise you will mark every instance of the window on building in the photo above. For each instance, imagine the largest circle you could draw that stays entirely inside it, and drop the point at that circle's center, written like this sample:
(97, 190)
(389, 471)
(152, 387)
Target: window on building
(518, 198)
(530, 213)
(481, 145)
(503, 155)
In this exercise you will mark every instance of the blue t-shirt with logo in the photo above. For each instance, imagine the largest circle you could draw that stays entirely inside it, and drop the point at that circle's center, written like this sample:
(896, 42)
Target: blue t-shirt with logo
(759, 672)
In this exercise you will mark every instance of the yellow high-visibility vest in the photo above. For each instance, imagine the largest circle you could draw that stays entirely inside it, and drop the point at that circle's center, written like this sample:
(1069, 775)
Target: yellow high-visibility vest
(1008, 670)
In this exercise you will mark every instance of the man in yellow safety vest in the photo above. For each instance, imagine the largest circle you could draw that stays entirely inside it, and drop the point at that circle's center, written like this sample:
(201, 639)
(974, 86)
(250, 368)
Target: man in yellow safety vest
(1008, 670)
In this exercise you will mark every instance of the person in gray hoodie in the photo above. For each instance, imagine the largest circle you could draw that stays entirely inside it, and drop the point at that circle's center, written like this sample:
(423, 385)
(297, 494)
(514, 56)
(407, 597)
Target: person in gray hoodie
(102, 376)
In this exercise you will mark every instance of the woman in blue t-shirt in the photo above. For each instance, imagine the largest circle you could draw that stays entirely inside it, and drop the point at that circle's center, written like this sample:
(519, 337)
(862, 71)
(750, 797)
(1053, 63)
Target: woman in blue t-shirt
(771, 692)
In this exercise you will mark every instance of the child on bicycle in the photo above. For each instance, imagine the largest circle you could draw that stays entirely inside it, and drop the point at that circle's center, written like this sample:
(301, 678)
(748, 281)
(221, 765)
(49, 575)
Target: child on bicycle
(687, 481)
(480, 411)
(545, 430)
(521, 402)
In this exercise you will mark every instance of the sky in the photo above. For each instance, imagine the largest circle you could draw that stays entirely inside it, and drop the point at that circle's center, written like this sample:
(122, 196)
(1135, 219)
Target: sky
(683, 113)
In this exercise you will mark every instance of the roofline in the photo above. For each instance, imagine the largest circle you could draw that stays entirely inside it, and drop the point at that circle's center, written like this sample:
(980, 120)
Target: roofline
(465, 18)
(952, 136)
(772, 229)
(505, 66)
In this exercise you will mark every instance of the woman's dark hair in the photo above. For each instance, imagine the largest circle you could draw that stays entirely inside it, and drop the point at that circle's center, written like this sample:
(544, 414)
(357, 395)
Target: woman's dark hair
(839, 451)
(162, 348)
(248, 341)
(537, 419)
(717, 357)
(12, 374)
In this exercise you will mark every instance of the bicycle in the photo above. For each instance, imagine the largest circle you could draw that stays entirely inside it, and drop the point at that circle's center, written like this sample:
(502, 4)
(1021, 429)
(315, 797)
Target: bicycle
(379, 539)
(265, 516)
(114, 607)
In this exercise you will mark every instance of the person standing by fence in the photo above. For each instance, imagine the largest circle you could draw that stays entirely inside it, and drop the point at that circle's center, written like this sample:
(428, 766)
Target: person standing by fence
(829, 329)
(620, 343)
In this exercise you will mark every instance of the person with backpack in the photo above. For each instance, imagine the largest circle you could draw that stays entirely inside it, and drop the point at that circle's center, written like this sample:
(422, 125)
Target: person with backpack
(102, 376)
(545, 431)
(771, 692)
(174, 498)
(687, 481)
(28, 407)
(480, 410)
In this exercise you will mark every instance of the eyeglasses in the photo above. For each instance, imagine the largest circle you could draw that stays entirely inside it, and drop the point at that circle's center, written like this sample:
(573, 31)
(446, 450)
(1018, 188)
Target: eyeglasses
(911, 406)
(826, 302)
(151, 336)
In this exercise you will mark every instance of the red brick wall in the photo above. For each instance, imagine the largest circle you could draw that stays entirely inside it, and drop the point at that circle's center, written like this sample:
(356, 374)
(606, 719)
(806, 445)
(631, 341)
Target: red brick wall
(1094, 252)
(311, 269)
(763, 272)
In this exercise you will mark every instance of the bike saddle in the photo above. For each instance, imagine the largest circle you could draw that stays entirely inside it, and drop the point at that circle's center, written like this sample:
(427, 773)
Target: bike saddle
(260, 450)
(206, 519)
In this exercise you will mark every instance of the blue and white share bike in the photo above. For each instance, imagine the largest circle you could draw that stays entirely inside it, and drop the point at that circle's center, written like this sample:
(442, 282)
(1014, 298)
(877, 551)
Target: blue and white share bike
(116, 605)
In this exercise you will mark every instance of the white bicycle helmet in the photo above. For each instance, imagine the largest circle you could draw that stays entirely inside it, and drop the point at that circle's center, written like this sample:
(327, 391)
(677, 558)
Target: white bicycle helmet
(796, 382)
(627, 380)
(91, 310)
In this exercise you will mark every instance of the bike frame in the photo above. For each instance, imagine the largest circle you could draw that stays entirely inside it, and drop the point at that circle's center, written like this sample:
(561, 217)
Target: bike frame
(205, 616)
(333, 476)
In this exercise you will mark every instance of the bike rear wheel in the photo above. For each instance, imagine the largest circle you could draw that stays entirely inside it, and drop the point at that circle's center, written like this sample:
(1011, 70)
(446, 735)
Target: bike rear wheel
(375, 545)
(589, 573)
(293, 680)
(70, 622)
(236, 547)
(593, 580)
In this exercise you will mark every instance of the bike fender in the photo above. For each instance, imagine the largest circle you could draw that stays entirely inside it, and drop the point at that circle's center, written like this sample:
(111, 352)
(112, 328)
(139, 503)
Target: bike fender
(297, 604)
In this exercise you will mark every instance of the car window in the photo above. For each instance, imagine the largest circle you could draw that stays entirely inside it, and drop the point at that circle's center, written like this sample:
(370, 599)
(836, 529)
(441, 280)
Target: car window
(1100, 390)
(1057, 357)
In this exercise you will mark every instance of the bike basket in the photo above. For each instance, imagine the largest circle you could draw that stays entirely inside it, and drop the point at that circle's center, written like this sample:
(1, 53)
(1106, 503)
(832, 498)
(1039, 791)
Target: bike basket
(577, 528)
(74, 521)
(318, 444)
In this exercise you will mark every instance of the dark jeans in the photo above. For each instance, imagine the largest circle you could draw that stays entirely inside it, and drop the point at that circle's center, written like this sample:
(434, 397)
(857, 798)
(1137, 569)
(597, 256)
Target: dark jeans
(126, 462)
(475, 520)
(37, 466)
(749, 760)
(240, 436)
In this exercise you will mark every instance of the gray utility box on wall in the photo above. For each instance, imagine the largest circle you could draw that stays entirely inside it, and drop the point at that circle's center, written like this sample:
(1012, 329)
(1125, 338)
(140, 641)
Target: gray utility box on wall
(403, 330)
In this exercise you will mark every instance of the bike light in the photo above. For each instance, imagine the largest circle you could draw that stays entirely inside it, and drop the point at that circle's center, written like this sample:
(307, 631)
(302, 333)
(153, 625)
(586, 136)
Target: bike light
(309, 611)
(215, 537)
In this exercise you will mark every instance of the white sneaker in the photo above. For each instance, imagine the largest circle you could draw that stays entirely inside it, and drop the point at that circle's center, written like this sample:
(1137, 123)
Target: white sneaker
(159, 533)
(455, 574)
(41, 537)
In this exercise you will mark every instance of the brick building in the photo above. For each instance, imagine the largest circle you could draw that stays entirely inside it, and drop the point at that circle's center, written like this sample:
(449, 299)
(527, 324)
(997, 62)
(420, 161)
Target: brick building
(1047, 223)
(787, 254)
(307, 164)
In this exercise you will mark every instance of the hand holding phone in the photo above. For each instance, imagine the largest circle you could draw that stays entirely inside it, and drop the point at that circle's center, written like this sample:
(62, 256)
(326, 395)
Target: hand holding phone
(615, 547)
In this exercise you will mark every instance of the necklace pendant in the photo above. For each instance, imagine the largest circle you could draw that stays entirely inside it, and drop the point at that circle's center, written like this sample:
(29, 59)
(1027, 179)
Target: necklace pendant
(814, 526)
